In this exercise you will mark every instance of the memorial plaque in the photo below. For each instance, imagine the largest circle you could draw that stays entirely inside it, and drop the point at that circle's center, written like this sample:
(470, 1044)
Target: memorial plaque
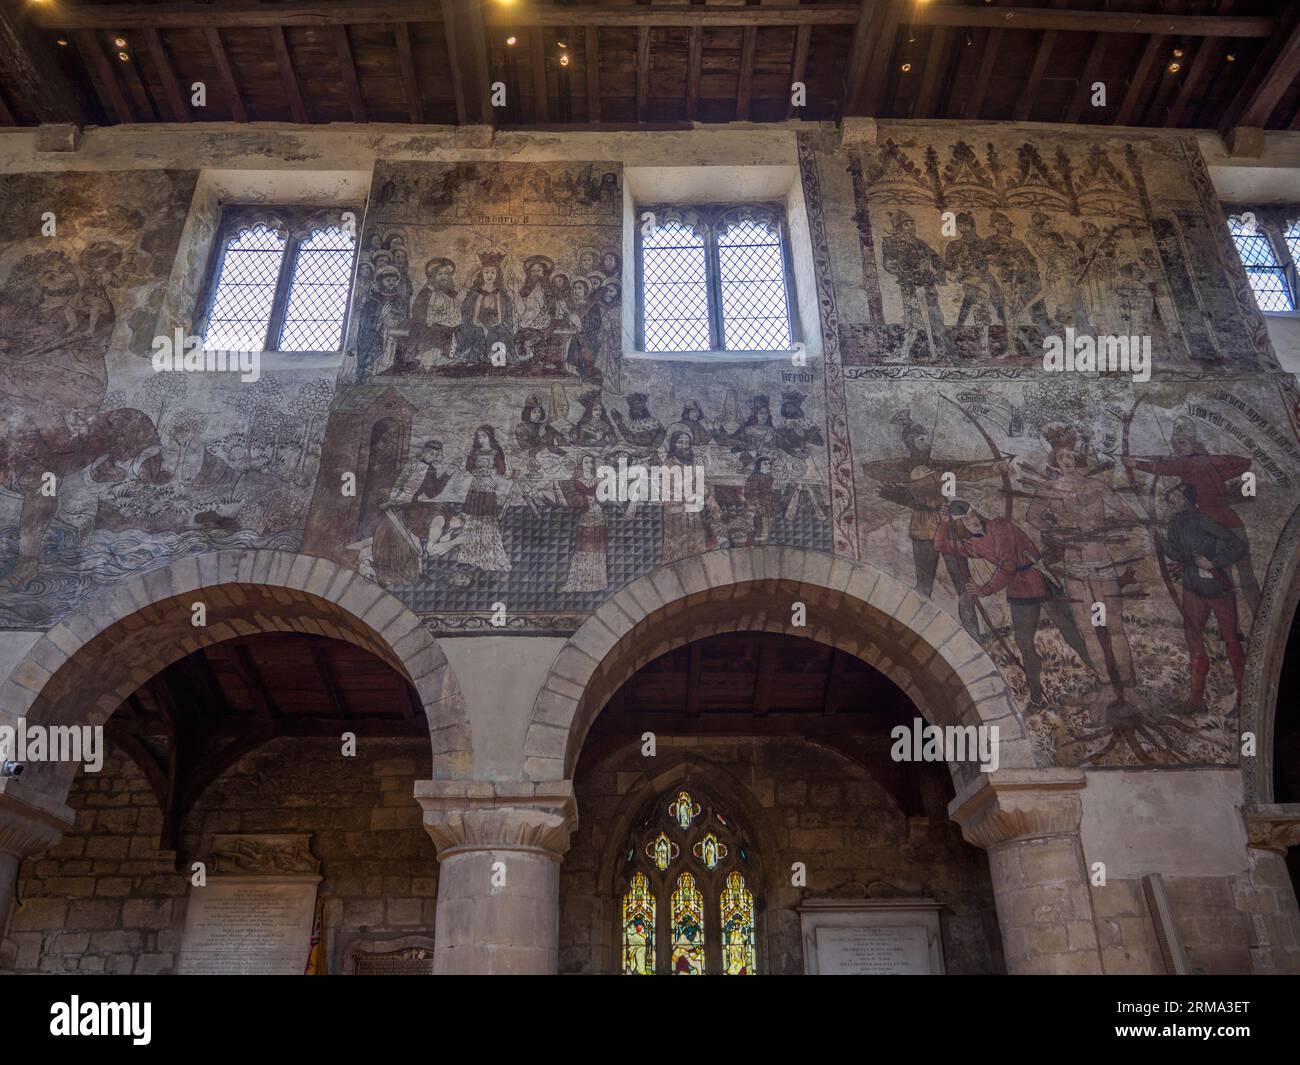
(254, 916)
(881, 950)
(411, 961)
(871, 936)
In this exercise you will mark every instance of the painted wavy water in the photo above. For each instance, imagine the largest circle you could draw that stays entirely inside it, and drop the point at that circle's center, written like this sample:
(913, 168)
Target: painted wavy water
(74, 569)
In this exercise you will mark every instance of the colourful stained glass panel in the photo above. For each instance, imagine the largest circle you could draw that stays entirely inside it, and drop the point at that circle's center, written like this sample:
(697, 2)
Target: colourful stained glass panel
(710, 851)
(684, 809)
(688, 928)
(663, 850)
(739, 956)
(639, 928)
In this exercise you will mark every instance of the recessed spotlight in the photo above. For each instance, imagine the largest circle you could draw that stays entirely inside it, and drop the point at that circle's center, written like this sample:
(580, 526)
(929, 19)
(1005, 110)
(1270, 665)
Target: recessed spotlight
(561, 45)
(564, 60)
(120, 41)
(1174, 68)
(1178, 53)
(1231, 57)
(124, 57)
(61, 43)
(905, 67)
(511, 40)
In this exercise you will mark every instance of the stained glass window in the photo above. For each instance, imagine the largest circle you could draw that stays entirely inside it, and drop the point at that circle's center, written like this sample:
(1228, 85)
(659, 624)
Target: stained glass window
(282, 281)
(684, 809)
(714, 278)
(737, 916)
(663, 903)
(1266, 275)
(710, 851)
(663, 850)
(639, 928)
(688, 928)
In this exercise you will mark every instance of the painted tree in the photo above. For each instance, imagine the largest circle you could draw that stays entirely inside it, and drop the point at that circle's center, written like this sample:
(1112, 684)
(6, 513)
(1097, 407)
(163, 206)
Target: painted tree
(256, 399)
(187, 426)
(161, 391)
(311, 404)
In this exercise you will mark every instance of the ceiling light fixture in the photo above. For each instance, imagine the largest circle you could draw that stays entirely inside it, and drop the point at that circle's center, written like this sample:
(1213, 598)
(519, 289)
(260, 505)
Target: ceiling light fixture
(905, 67)
(511, 40)
(564, 60)
(120, 41)
(1174, 68)
(123, 56)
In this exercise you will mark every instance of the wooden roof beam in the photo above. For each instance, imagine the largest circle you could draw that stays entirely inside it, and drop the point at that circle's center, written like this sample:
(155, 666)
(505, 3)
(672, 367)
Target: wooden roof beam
(694, 65)
(33, 71)
(292, 90)
(348, 72)
(592, 64)
(468, 56)
(798, 65)
(1083, 91)
(167, 75)
(1276, 70)
(745, 87)
(226, 74)
(1138, 87)
(370, 12)
(91, 50)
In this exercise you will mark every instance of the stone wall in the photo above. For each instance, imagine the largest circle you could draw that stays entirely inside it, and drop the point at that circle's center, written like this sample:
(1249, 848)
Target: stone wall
(809, 805)
(106, 900)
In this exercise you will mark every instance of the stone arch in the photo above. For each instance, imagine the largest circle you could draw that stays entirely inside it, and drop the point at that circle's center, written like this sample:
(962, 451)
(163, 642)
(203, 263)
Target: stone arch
(695, 769)
(853, 606)
(1279, 598)
(126, 635)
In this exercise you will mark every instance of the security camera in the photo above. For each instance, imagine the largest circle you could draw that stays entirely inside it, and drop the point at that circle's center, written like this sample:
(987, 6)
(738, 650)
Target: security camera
(11, 769)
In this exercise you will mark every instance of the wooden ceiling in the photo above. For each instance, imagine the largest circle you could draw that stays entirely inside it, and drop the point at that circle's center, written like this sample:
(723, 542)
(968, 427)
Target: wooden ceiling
(578, 63)
(200, 715)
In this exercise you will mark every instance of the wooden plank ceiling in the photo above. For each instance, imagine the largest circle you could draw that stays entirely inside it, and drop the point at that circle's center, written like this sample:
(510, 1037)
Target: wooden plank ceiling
(574, 63)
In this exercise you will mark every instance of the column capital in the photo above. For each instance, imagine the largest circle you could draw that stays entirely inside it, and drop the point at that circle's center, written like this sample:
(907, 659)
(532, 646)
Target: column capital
(1273, 827)
(510, 815)
(1015, 805)
(29, 821)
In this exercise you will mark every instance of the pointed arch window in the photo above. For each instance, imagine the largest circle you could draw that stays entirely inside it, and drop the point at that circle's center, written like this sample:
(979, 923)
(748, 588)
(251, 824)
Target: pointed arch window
(1259, 257)
(685, 886)
(281, 280)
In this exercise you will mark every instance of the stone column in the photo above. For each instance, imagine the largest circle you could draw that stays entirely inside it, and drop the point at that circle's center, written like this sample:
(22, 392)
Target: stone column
(1270, 900)
(28, 825)
(1028, 821)
(499, 851)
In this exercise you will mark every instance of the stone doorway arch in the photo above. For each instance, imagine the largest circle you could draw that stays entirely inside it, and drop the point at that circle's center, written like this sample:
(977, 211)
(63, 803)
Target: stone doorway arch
(80, 671)
(849, 605)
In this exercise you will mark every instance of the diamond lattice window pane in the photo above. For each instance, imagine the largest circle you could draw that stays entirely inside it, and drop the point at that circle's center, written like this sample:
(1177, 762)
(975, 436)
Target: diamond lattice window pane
(1267, 278)
(755, 300)
(318, 293)
(676, 289)
(1293, 241)
(241, 308)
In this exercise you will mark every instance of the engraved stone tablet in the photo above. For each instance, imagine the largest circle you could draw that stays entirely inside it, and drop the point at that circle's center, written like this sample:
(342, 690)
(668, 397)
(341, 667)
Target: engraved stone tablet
(411, 961)
(255, 914)
(871, 936)
(901, 950)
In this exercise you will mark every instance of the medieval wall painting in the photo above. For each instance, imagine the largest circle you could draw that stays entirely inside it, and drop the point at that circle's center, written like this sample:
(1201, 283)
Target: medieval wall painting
(978, 249)
(504, 270)
(1073, 495)
(148, 466)
(472, 495)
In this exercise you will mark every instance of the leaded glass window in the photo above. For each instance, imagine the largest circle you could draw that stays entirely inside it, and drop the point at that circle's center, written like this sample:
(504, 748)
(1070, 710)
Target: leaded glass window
(281, 280)
(714, 278)
(687, 865)
(1266, 275)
